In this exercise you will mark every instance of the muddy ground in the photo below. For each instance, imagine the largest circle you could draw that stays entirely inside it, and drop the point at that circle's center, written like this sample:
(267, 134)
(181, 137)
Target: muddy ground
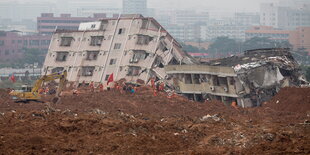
(113, 123)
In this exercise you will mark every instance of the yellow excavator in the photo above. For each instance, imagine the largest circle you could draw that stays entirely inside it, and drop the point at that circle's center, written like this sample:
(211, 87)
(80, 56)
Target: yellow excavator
(32, 93)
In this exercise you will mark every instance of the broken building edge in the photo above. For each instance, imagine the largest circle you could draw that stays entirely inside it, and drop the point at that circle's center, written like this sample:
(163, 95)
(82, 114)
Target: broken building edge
(130, 47)
(249, 80)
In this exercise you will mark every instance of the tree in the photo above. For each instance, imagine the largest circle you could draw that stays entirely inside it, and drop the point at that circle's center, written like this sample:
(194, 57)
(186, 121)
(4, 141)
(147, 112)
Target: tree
(190, 48)
(263, 42)
(222, 46)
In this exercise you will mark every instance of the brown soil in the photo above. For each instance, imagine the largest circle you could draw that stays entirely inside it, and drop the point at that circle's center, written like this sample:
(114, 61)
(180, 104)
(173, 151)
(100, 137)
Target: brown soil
(113, 123)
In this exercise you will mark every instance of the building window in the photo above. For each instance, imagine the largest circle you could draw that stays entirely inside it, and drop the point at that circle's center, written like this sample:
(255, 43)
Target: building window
(66, 41)
(92, 55)
(133, 71)
(93, 26)
(45, 42)
(215, 80)
(121, 31)
(57, 69)
(117, 46)
(88, 70)
(1, 42)
(25, 42)
(143, 39)
(34, 42)
(107, 77)
(7, 52)
(138, 55)
(62, 56)
(96, 40)
(144, 24)
(188, 79)
(112, 61)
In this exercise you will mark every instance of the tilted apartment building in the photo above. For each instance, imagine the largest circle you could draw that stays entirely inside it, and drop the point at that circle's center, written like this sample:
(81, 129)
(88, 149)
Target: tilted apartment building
(130, 46)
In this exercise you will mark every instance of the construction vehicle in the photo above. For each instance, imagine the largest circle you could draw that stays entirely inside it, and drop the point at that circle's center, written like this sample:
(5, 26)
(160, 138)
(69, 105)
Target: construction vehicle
(29, 93)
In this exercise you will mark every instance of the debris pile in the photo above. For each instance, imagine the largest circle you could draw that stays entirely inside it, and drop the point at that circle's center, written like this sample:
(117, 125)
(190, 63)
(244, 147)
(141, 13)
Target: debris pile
(291, 99)
(113, 123)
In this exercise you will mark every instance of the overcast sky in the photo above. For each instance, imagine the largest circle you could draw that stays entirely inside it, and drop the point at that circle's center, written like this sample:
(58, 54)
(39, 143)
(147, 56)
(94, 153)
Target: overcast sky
(227, 5)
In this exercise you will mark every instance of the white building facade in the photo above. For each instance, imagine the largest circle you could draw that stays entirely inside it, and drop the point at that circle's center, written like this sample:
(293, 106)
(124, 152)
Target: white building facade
(130, 47)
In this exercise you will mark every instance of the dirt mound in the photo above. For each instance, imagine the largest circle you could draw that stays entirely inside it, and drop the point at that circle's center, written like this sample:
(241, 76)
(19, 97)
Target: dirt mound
(112, 122)
(292, 100)
(141, 102)
(4, 96)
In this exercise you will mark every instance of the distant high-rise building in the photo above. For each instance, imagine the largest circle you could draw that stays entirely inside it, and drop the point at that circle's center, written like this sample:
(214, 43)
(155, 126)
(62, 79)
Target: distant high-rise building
(285, 16)
(14, 43)
(135, 7)
(243, 18)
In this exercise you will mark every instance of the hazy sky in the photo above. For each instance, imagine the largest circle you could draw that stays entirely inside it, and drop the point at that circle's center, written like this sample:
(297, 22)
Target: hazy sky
(226, 5)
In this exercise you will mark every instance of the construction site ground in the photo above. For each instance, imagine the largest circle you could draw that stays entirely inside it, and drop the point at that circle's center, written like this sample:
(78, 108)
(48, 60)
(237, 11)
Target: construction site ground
(113, 123)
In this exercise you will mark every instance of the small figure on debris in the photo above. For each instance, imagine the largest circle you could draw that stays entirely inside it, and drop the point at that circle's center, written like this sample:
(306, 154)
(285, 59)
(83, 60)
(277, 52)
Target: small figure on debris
(153, 83)
(171, 94)
(83, 84)
(75, 92)
(91, 86)
(234, 104)
(161, 86)
(129, 88)
(154, 92)
(41, 91)
(101, 87)
(46, 90)
(124, 88)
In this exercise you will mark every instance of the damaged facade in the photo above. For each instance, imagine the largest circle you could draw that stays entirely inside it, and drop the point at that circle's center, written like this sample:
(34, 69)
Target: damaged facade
(249, 80)
(131, 47)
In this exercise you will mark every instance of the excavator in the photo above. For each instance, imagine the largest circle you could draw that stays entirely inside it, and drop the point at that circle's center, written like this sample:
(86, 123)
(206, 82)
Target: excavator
(32, 93)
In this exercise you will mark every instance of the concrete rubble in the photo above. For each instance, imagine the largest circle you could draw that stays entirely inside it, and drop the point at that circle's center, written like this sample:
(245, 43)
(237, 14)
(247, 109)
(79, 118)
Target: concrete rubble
(249, 80)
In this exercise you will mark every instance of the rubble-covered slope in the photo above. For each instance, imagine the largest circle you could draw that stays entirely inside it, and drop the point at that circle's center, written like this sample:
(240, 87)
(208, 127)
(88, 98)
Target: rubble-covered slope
(113, 123)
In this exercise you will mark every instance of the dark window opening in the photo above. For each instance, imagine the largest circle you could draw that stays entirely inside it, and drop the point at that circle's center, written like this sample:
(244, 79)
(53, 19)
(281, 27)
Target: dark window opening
(88, 70)
(143, 39)
(144, 24)
(62, 56)
(112, 61)
(92, 55)
(1, 42)
(121, 31)
(107, 77)
(196, 78)
(223, 81)
(66, 41)
(215, 80)
(138, 55)
(57, 69)
(96, 40)
(188, 79)
(133, 71)
(117, 46)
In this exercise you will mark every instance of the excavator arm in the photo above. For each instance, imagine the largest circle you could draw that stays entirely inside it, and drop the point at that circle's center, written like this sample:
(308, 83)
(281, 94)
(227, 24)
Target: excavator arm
(34, 94)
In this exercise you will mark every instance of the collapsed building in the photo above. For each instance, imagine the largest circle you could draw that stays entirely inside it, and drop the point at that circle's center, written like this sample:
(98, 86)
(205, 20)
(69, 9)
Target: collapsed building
(248, 80)
(130, 47)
